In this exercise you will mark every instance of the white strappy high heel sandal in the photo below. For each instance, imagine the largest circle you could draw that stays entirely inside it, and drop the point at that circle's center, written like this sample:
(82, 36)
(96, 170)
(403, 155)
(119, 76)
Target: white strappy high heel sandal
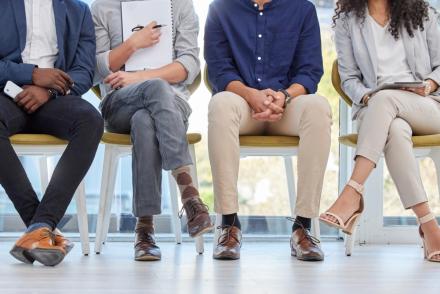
(428, 255)
(350, 225)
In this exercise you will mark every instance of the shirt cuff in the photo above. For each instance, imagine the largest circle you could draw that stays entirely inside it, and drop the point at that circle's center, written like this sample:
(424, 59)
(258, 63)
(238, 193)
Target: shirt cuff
(103, 65)
(223, 81)
(191, 66)
(306, 82)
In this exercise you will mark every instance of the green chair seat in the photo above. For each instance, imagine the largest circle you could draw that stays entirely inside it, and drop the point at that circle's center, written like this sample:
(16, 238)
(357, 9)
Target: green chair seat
(269, 141)
(124, 139)
(36, 139)
(418, 141)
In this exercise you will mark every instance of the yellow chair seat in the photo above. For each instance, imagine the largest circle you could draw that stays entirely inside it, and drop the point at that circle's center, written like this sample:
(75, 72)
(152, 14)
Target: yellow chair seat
(124, 139)
(269, 141)
(36, 139)
(418, 141)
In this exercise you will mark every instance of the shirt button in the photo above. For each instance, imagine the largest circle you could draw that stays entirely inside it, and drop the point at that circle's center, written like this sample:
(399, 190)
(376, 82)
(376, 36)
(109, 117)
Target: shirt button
(255, 4)
(259, 58)
(259, 80)
(260, 36)
(261, 13)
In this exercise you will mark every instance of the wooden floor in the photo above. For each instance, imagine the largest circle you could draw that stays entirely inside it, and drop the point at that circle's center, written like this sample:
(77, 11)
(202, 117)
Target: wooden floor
(264, 268)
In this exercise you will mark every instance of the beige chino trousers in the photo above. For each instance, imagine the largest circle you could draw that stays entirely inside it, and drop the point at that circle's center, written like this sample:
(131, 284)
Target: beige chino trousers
(307, 116)
(386, 126)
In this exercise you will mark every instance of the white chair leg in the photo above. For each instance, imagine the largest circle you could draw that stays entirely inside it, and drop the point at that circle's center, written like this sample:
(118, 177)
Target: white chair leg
(218, 223)
(174, 197)
(315, 228)
(435, 156)
(44, 173)
(108, 182)
(81, 211)
(199, 240)
(290, 178)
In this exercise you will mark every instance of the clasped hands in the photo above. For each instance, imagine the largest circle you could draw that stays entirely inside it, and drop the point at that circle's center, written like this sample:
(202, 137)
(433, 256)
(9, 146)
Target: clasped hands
(267, 105)
(36, 95)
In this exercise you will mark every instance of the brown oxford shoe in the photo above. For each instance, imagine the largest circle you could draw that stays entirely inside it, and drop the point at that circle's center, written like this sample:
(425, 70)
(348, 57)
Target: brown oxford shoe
(197, 213)
(229, 244)
(145, 248)
(62, 241)
(304, 246)
(38, 245)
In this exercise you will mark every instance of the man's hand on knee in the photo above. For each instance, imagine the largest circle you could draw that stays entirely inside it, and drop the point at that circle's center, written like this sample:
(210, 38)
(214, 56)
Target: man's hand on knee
(32, 98)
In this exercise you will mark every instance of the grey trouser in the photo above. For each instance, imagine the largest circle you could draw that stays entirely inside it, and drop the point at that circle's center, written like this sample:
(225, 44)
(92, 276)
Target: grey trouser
(157, 120)
(386, 126)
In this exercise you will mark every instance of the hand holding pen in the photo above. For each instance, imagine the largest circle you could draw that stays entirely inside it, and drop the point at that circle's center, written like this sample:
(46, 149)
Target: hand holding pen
(144, 37)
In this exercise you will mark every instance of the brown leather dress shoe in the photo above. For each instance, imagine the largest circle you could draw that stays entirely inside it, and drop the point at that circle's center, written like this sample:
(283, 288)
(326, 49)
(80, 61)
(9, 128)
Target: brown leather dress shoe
(62, 241)
(304, 246)
(197, 213)
(229, 244)
(38, 245)
(145, 248)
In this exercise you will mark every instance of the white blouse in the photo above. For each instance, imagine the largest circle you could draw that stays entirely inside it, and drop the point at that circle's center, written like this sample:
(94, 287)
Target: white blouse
(392, 62)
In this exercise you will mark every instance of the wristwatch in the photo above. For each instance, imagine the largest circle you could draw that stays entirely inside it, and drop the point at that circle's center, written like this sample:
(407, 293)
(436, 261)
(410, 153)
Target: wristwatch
(52, 94)
(288, 97)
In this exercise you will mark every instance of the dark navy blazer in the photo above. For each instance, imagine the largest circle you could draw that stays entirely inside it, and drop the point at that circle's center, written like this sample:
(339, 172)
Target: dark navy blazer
(273, 48)
(76, 43)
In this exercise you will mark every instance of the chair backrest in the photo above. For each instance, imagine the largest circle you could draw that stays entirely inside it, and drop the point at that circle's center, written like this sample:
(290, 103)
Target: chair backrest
(336, 81)
(206, 78)
(191, 88)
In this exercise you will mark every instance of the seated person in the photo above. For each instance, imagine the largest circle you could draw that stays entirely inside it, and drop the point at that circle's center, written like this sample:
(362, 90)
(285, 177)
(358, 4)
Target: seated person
(264, 61)
(152, 106)
(396, 43)
(47, 48)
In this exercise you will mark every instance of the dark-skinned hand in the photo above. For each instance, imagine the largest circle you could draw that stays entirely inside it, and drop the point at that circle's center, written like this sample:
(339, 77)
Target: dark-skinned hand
(52, 78)
(32, 98)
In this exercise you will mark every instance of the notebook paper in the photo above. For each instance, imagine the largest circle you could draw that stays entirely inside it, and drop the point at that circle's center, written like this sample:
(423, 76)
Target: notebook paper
(141, 13)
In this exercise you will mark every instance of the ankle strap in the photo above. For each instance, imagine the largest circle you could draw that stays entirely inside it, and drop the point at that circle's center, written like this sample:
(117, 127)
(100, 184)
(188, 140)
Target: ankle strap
(358, 187)
(427, 218)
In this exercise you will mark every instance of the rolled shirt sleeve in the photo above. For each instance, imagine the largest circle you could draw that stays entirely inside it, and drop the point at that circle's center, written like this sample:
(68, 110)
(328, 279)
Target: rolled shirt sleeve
(186, 46)
(103, 49)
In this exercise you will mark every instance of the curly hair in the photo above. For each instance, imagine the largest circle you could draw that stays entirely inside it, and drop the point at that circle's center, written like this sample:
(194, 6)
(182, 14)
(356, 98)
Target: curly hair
(410, 13)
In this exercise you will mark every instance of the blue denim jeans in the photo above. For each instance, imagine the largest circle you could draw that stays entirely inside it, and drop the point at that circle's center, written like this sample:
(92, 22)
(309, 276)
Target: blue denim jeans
(157, 120)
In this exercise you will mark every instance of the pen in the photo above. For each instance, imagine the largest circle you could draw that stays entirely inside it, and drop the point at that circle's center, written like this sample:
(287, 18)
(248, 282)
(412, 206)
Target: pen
(139, 27)
(159, 26)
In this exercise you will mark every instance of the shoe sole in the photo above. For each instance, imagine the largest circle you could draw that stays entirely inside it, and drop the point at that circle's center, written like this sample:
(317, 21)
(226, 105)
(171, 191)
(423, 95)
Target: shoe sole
(148, 258)
(22, 255)
(69, 248)
(306, 258)
(47, 257)
(226, 257)
(203, 231)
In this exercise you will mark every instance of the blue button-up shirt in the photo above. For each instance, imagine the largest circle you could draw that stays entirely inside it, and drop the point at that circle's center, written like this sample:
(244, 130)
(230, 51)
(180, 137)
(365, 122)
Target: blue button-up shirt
(270, 48)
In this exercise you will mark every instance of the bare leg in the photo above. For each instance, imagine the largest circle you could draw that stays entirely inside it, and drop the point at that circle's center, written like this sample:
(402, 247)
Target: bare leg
(430, 229)
(349, 200)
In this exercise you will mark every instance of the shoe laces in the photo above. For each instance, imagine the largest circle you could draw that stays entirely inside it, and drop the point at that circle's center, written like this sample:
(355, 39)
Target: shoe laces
(193, 207)
(307, 234)
(146, 235)
(226, 236)
(48, 234)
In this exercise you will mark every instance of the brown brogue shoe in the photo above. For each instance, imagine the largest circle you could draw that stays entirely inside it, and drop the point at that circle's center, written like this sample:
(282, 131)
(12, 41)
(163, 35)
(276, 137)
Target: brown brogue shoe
(197, 213)
(229, 244)
(145, 248)
(304, 246)
(39, 245)
(62, 241)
